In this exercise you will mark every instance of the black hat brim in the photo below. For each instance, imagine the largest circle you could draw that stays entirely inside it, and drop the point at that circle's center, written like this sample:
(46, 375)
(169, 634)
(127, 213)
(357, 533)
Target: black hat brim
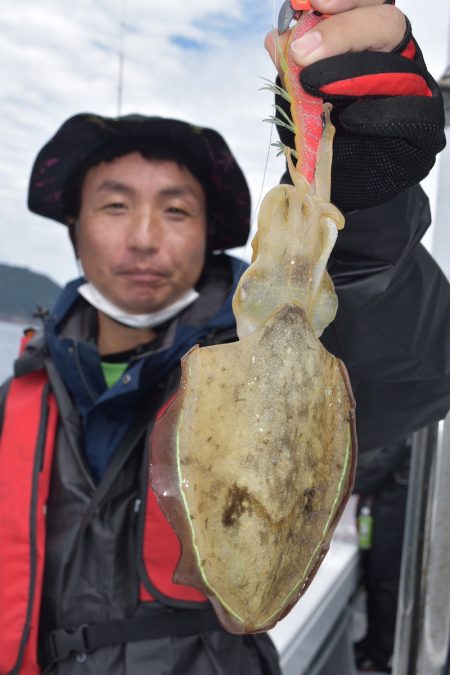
(86, 136)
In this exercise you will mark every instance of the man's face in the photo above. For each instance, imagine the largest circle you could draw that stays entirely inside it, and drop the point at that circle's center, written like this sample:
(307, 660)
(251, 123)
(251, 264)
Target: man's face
(141, 235)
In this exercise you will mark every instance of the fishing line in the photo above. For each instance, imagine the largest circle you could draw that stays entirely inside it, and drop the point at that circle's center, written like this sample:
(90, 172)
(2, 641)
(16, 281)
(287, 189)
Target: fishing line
(269, 145)
(121, 58)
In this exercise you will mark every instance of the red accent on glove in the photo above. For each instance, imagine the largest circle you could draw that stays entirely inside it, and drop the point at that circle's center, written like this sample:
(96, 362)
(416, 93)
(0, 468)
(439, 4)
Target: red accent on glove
(381, 84)
(410, 50)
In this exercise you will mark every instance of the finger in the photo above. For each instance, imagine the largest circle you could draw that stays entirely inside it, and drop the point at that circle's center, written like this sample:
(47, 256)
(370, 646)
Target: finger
(325, 7)
(373, 28)
(338, 6)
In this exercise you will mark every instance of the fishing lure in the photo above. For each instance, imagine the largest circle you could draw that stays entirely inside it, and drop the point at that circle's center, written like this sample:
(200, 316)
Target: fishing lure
(254, 461)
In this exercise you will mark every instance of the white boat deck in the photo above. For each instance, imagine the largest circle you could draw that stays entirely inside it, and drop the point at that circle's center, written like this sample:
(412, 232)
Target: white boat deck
(300, 637)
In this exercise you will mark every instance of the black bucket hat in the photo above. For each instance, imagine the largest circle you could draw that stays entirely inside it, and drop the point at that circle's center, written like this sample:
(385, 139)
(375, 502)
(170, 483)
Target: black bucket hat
(85, 139)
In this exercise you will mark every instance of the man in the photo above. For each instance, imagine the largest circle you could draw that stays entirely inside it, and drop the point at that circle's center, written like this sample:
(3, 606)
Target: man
(150, 204)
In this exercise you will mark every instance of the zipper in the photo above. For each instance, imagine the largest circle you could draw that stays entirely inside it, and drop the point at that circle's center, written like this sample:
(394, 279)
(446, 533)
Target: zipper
(42, 432)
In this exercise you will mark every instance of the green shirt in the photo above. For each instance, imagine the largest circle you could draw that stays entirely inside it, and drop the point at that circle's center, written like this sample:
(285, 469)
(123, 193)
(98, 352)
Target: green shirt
(112, 372)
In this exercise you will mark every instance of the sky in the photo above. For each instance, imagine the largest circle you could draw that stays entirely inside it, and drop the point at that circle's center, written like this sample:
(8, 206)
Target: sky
(193, 60)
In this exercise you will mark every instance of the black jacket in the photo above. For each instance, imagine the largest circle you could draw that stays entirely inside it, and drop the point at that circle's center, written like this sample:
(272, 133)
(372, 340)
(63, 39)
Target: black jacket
(392, 329)
(93, 564)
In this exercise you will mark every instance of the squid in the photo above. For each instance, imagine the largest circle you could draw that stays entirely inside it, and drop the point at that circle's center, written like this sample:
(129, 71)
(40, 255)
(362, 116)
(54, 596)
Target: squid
(254, 461)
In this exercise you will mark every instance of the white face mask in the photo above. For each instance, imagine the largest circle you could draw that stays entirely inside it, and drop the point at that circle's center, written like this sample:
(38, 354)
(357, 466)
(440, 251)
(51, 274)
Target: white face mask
(97, 300)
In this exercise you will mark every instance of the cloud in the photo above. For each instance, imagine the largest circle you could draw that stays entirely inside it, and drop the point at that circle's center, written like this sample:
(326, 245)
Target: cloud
(187, 43)
(182, 59)
(60, 58)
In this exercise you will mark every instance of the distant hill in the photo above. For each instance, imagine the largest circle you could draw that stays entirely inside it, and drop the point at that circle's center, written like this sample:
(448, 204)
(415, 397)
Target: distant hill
(22, 291)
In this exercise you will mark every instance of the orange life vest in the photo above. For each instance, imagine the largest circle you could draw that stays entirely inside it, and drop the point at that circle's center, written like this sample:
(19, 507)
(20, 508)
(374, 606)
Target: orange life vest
(27, 447)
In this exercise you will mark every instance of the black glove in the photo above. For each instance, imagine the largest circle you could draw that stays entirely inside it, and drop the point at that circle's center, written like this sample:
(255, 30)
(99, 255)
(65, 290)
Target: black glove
(389, 119)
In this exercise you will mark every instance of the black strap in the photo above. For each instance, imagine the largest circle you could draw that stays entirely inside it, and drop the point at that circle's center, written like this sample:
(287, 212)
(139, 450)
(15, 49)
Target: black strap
(142, 424)
(3, 394)
(60, 644)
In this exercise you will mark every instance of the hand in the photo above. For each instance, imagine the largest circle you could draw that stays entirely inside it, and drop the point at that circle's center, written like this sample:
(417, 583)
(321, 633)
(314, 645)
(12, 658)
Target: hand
(352, 26)
(387, 109)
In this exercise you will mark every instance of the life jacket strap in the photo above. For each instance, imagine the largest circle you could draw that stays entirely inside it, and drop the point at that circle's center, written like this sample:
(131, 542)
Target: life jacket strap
(61, 644)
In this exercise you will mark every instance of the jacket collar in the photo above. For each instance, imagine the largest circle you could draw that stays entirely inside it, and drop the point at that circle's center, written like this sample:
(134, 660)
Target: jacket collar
(71, 327)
